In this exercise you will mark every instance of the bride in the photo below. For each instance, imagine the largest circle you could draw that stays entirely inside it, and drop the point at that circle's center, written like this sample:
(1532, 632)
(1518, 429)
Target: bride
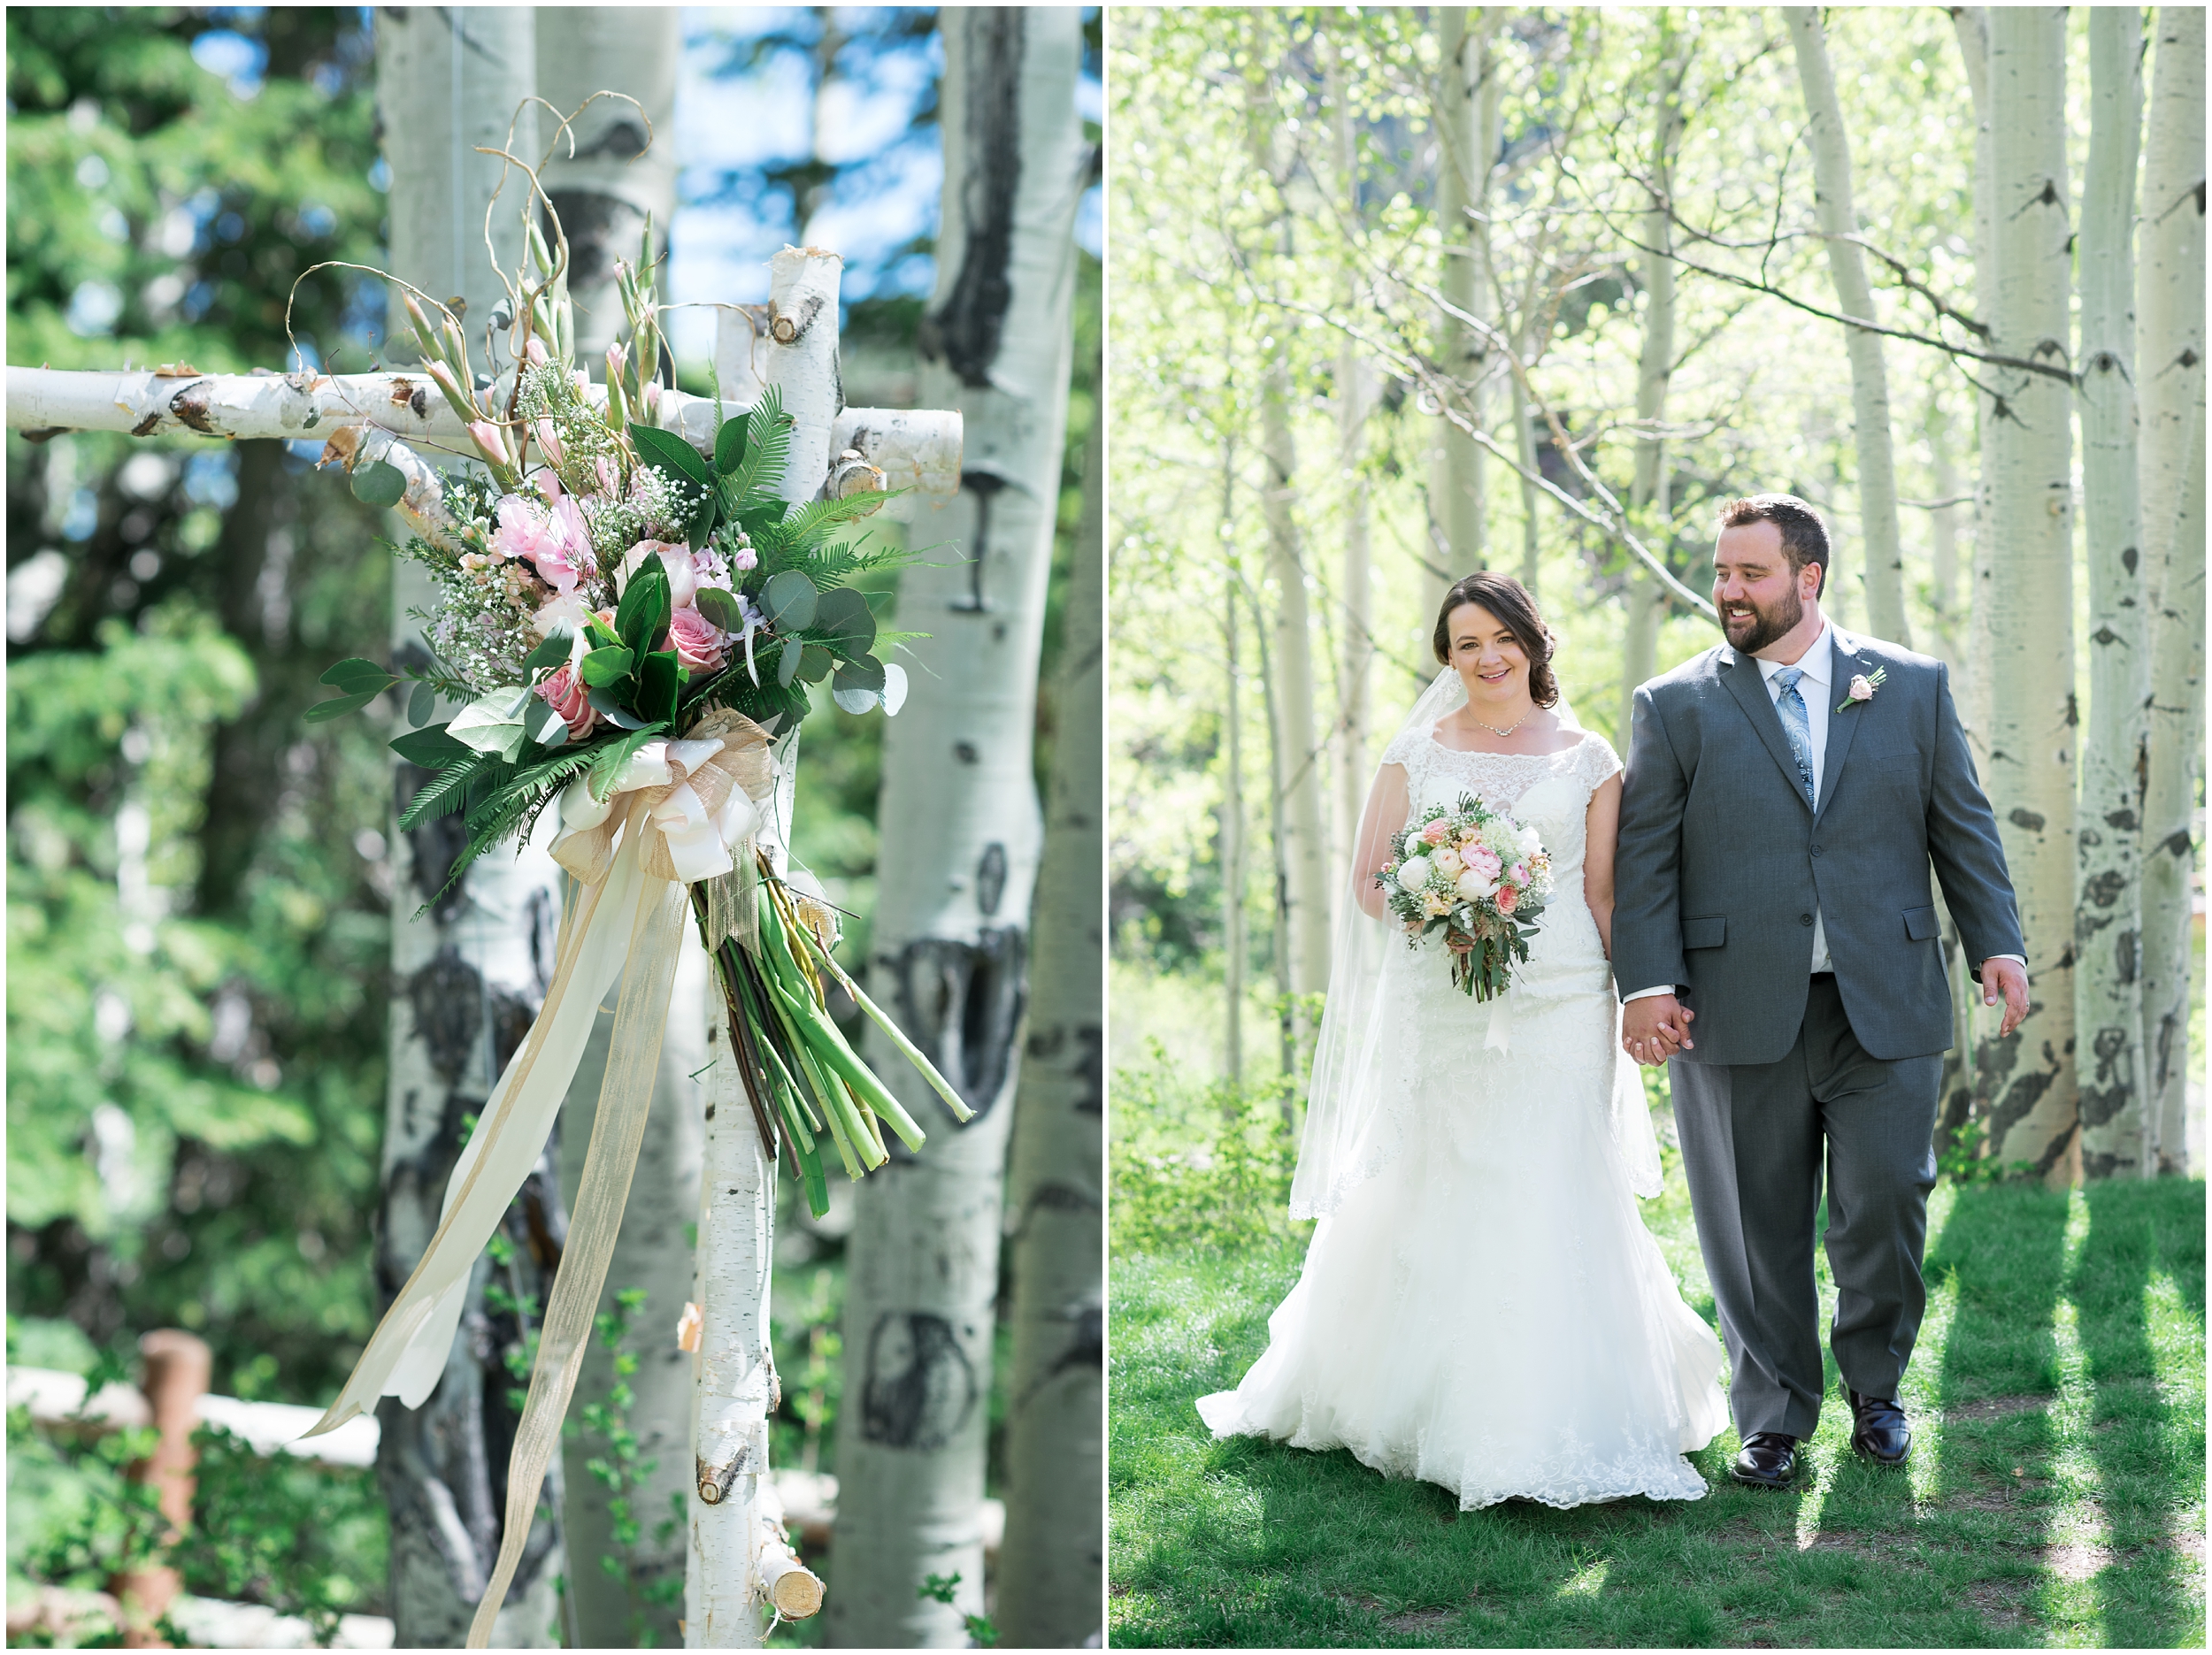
(1481, 1306)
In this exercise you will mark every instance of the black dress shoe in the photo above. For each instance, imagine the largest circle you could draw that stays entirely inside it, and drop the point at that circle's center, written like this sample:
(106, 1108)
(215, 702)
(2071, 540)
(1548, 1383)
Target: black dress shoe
(1769, 1460)
(1878, 1430)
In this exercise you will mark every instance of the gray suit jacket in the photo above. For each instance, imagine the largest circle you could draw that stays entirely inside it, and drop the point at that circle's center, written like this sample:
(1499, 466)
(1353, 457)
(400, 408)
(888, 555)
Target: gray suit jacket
(1722, 861)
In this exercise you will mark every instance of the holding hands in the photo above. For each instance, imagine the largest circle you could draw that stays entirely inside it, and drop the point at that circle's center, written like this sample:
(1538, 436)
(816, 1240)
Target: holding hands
(1654, 1027)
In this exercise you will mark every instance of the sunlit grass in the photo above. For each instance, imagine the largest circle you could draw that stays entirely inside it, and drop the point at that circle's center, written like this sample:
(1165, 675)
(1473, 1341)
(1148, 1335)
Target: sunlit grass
(2055, 1496)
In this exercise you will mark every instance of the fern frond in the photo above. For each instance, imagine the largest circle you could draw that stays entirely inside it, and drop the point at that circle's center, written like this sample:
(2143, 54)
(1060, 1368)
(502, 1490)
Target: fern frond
(443, 793)
(767, 452)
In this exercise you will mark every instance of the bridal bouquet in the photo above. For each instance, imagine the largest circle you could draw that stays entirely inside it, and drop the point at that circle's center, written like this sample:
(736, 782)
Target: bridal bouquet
(1478, 876)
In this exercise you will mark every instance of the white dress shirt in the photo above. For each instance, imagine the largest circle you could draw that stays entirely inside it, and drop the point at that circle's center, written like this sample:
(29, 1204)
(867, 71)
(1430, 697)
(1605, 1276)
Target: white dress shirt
(1817, 665)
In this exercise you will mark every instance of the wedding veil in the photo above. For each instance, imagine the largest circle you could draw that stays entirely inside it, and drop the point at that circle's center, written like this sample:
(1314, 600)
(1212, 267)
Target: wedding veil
(1347, 1134)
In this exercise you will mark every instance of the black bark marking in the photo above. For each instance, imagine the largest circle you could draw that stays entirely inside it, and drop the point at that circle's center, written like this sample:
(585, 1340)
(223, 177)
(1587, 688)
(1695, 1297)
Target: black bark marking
(2128, 559)
(961, 1002)
(966, 332)
(990, 878)
(190, 405)
(2027, 819)
(2106, 888)
(920, 1387)
(2122, 822)
(1090, 1069)
(446, 997)
(965, 752)
(985, 486)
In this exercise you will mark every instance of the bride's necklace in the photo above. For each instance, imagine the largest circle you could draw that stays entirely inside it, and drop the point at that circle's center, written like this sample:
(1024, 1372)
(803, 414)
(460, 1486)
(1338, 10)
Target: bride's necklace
(1510, 729)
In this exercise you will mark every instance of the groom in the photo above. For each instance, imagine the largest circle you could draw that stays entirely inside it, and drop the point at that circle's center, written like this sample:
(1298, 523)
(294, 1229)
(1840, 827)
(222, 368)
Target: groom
(1787, 794)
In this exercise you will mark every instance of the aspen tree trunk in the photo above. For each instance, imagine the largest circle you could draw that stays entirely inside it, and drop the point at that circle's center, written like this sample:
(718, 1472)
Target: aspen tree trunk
(468, 978)
(1233, 839)
(1943, 537)
(2028, 1079)
(2169, 371)
(1462, 170)
(1302, 847)
(2108, 908)
(1869, 380)
(615, 178)
(1278, 835)
(962, 831)
(1354, 401)
(1971, 24)
(1525, 439)
(1051, 1572)
(1647, 599)
(603, 194)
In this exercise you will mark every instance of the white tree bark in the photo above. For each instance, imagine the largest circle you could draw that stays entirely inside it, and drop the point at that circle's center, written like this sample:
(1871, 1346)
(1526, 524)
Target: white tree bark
(1052, 1566)
(1462, 174)
(1646, 598)
(2107, 914)
(1943, 539)
(2170, 362)
(1234, 842)
(962, 831)
(737, 1388)
(2024, 580)
(468, 978)
(1972, 25)
(1838, 220)
(615, 177)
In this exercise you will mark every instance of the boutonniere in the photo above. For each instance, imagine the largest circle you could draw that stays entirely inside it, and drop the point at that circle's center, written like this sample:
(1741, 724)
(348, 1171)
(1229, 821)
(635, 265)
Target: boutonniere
(1862, 688)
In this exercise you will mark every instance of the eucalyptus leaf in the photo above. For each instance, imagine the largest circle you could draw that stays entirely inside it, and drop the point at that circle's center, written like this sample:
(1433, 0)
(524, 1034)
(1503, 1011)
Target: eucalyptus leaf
(559, 645)
(729, 446)
(893, 688)
(432, 749)
(787, 663)
(856, 702)
(791, 601)
(864, 674)
(422, 705)
(719, 606)
(814, 662)
(845, 617)
(380, 484)
(357, 677)
(338, 706)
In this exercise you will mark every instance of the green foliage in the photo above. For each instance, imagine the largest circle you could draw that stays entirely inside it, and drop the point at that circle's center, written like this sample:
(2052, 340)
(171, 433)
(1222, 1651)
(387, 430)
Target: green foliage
(1198, 1165)
(619, 1467)
(941, 1589)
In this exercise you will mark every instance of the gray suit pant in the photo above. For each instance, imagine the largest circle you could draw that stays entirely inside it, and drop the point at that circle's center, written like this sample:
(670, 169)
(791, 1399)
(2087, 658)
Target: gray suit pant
(1751, 1146)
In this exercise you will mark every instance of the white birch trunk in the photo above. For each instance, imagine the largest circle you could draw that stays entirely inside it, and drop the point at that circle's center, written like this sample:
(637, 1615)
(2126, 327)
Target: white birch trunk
(1869, 381)
(959, 858)
(1647, 599)
(602, 195)
(1457, 487)
(735, 1388)
(1234, 841)
(2028, 1078)
(1354, 399)
(2169, 358)
(1051, 1571)
(2107, 912)
(1943, 540)
(615, 177)
(468, 977)
(1972, 25)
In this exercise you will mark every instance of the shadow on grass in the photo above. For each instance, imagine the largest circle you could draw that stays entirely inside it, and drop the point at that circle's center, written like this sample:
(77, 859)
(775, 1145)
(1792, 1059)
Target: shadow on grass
(2137, 1282)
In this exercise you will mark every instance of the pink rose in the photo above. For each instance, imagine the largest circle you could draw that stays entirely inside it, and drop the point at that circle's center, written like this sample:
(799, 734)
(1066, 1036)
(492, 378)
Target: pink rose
(1482, 859)
(1508, 899)
(683, 573)
(553, 541)
(697, 640)
(1436, 832)
(563, 693)
(1861, 690)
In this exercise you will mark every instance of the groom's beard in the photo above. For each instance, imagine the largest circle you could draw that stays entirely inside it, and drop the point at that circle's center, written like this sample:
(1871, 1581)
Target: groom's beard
(1755, 632)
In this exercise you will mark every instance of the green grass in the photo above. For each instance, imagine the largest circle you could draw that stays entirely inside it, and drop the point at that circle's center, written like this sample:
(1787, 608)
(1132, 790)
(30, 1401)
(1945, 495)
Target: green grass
(2055, 1493)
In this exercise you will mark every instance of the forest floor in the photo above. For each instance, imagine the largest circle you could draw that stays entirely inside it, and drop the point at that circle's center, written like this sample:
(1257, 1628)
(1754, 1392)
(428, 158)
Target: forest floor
(2055, 1493)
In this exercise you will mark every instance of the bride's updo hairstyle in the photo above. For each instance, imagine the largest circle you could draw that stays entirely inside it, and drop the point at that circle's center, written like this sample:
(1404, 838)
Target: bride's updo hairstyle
(1508, 599)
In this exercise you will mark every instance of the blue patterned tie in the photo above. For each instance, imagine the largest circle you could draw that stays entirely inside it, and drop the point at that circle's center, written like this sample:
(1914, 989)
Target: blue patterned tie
(1791, 705)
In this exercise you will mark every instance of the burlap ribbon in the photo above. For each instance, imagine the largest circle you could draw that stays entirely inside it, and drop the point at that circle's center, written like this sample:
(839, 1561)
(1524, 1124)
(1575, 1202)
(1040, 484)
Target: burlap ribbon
(684, 812)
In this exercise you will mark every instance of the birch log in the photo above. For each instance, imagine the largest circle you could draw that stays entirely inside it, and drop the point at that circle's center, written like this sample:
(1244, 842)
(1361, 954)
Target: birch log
(622, 169)
(1052, 1566)
(469, 976)
(2170, 357)
(736, 1385)
(1838, 220)
(2024, 580)
(1647, 599)
(962, 833)
(2108, 904)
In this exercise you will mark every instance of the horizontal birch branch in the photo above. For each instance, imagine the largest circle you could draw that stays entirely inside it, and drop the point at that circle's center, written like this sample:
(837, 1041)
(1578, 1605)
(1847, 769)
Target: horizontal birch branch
(915, 449)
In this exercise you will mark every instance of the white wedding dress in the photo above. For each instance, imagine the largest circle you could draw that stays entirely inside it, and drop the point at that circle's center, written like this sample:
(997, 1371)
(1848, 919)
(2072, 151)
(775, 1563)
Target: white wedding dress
(1481, 1306)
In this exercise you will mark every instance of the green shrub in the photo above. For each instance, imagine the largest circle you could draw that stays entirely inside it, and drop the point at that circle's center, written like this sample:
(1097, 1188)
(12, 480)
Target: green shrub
(1199, 1164)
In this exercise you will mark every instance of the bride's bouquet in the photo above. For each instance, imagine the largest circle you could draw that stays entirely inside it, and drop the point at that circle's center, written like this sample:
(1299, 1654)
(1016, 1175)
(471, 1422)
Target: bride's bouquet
(1481, 877)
